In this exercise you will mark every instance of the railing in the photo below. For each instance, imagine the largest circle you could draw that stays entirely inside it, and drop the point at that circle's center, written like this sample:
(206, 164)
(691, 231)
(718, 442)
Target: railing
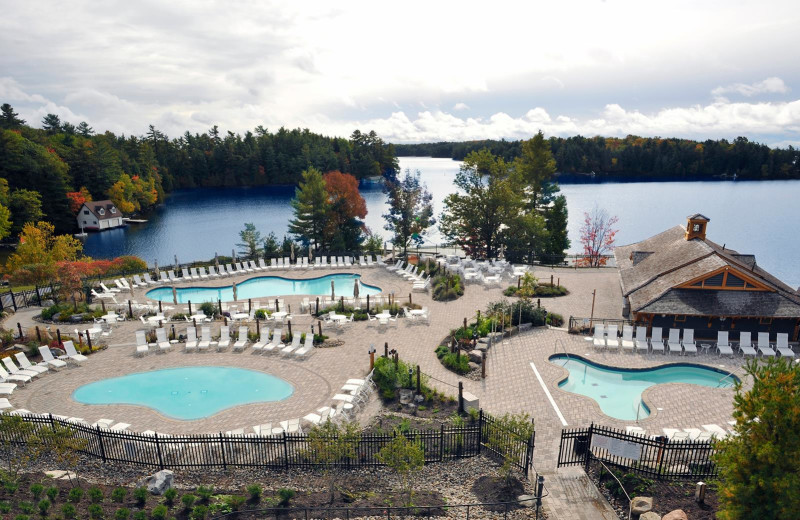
(653, 457)
(276, 451)
(584, 325)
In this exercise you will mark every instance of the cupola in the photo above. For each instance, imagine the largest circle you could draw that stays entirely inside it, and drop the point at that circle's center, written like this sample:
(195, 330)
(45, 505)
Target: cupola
(696, 226)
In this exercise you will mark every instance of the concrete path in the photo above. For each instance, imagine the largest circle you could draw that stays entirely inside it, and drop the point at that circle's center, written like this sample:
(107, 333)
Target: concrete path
(572, 496)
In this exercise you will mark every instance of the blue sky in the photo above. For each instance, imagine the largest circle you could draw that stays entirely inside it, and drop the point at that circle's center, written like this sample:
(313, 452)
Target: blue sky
(412, 71)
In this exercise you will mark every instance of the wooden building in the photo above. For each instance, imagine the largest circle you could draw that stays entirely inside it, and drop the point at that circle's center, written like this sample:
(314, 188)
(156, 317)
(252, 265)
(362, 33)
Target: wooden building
(680, 279)
(99, 215)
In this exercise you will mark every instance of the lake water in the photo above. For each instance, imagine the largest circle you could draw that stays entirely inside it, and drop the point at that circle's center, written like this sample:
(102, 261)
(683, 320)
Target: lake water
(756, 217)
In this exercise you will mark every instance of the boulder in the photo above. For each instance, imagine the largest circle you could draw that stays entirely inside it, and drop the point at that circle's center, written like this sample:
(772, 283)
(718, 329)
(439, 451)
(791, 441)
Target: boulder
(650, 515)
(475, 356)
(157, 483)
(474, 366)
(678, 514)
(527, 500)
(641, 505)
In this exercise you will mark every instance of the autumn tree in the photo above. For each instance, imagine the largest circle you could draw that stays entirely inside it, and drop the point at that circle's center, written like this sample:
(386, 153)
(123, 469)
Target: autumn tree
(597, 235)
(347, 209)
(760, 465)
(78, 198)
(40, 249)
(311, 208)
(410, 210)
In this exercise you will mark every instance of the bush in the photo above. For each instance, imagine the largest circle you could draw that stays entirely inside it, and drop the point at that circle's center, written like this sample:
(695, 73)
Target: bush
(140, 515)
(456, 363)
(119, 494)
(159, 512)
(22, 517)
(254, 490)
(44, 506)
(123, 513)
(235, 502)
(5, 507)
(285, 495)
(95, 511)
(95, 495)
(261, 314)
(75, 495)
(36, 490)
(26, 507)
(199, 512)
(208, 308)
(205, 493)
(169, 496)
(52, 493)
(388, 377)
(510, 291)
(69, 511)
(555, 320)
(188, 500)
(447, 287)
(140, 495)
(441, 350)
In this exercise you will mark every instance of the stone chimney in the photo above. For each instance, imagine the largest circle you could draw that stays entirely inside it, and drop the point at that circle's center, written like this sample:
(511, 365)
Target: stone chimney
(696, 226)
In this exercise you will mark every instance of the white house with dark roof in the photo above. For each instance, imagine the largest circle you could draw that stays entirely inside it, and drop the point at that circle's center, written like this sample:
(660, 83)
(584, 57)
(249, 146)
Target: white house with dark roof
(99, 215)
(680, 279)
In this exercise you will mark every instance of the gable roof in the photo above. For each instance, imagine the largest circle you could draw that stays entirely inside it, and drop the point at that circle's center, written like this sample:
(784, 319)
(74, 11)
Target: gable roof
(106, 205)
(649, 281)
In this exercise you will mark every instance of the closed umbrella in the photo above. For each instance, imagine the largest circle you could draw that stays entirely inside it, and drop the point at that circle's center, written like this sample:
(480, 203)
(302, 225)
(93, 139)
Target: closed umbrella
(216, 260)
(234, 291)
(309, 253)
(333, 291)
(158, 273)
(233, 255)
(355, 288)
(174, 295)
(176, 262)
(292, 252)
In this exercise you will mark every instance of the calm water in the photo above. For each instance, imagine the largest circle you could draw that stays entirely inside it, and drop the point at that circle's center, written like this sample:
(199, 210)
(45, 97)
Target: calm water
(267, 286)
(189, 392)
(756, 217)
(619, 392)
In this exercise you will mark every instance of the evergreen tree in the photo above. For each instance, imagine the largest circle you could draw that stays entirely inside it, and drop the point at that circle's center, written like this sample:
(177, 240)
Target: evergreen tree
(84, 129)
(8, 118)
(410, 209)
(51, 123)
(310, 206)
(250, 240)
(556, 222)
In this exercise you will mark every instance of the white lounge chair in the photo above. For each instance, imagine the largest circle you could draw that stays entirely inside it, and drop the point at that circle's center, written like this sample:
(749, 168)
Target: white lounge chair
(599, 339)
(120, 285)
(172, 278)
(48, 358)
(5, 377)
(657, 340)
(262, 266)
(202, 272)
(107, 290)
(689, 345)
(195, 274)
(263, 339)
(161, 339)
(150, 280)
(25, 363)
(627, 338)
(191, 339)
(293, 346)
(275, 343)
(746, 344)
(723, 345)
(308, 347)
(782, 345)
(15, 370)
(674, 341)
(69, 348)
(224, 338)
(612, 340)
(641, 339)
(205, 338)
(185, 274)
(241, 343)
(763, 345)
(164, 277)
(142, 347)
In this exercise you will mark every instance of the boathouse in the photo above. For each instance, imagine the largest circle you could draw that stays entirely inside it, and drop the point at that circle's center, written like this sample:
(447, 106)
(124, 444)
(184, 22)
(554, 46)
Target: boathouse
(99, 215)
(680, 279)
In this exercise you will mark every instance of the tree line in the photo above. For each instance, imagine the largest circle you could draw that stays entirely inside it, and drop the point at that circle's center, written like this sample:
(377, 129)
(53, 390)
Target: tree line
(50, 171)
(636, 157)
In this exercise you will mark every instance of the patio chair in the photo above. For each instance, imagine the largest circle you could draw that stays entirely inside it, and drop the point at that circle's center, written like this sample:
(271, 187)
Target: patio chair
(657, 340)
(161, 339)
(599, 339)
(205, 338)
(689, 345)
(674, 341)
(202, 272)
(164, 277)
(746, 344)
(149, 280)
(185, 274)
(782, 345)
(723, 345)
(612, 339)
(293, 346)
(641, 339)
(142, 347)
(25, 363)
(224, 338)
(627, 338)
(275, 342)
(7, 378)
(763, 345)
(72, 354)
(241, 343)
(263, 339)
(48, 358)
(308, 347)
(15, 370)
(191, 339)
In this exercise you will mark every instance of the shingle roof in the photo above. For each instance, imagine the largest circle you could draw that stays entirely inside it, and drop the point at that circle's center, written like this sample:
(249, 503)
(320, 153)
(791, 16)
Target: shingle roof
(648, 280)
(106, 205)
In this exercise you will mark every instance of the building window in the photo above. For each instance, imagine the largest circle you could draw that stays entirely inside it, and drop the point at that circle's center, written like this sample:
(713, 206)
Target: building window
(113, 210)
(680, 318)
(95, 222)
(765, 321)
(101, 211)
(86, 212)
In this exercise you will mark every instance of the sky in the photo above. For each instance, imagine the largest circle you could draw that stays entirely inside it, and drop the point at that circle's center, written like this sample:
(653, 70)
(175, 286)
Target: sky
(412, 71)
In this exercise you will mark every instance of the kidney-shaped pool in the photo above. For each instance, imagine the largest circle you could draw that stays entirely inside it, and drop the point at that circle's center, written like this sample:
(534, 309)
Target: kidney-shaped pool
(187, 393)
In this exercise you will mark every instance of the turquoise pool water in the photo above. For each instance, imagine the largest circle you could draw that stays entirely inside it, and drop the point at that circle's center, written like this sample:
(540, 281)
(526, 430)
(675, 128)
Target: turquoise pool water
(265, 286)
(619, 391)
(188, 392)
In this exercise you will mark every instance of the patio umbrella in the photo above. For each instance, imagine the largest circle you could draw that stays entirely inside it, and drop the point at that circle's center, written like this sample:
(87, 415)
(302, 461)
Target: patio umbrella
(292, 252)
(355, 288)
(174, 295)
(158, 273)
(176, 262)
(216, 260)
(234, 291)
(309, 253)
(233, 255)
(333, 291)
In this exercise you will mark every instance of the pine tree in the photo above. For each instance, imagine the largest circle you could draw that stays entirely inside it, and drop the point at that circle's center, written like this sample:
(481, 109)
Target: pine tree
(8, 118)
(310, 205)
(410, 210)
(51, 123)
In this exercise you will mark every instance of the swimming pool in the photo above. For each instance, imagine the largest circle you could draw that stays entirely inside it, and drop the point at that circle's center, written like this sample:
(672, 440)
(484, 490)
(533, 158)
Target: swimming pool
(187, 393)
(264, 286)
(618, 391)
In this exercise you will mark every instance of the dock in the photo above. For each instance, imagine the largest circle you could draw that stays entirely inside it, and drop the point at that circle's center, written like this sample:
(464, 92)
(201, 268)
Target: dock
(134, 220)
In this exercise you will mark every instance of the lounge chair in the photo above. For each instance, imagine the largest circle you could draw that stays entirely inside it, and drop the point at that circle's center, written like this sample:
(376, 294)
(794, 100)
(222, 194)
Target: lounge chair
(241, 343)
(103, 423)
(202, 272)
(379, 260)
(746, 344)
(191, 339)
(261, 265)
(763, 345)
(15, 370)
(723, 345)
(164, 277)
(263, 339)
(48, 358)
(612, 340)
(107, 290)
(242, 266)
(110, 296)
(627, 338)
(397, 266)
(782, 345)
(25, 363)
(347, 262)
(641, 339)
(657, 340)
(161, 339)
(689, 345)
(205, 338)
(307, 348)
(69, 348)
(172, 278)
(195, 274)
(599, 339)
(120, 285)
(137, 282)
(674, 341)
(7, 388)
(273, 263)
(294, 345)
(150, 280)
(5, 377)
(224, 338)
(142, 347)
(185, 274)
(275, 343)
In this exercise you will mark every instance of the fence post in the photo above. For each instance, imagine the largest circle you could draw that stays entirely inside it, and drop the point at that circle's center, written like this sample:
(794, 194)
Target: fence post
(158, 451)
(460, 397)
(38, 296)
(13, 301)
(52, 422)
(480, 430)
(100, 439)
(25, 298)
(588, 448)
(285, 451)
(222, 445)
(441, 443)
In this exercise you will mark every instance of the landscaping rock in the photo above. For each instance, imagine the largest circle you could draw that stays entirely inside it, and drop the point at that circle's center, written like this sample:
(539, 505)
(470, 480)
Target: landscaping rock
(475, 356)
(159, 482)
(650, 516)
(474, 366)
(525, 326)
(641, 505)
(527, 500)
(678, 514)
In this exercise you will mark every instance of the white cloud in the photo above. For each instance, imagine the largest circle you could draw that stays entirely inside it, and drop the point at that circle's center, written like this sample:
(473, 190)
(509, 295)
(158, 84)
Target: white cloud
(768, 86)
(460, 106)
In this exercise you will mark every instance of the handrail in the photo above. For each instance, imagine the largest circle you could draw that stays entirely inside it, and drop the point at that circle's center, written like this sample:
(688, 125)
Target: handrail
(563, 347)
(719, 383)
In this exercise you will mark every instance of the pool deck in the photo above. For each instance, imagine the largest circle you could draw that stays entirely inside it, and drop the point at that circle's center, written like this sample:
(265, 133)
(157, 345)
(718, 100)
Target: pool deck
(511, 385)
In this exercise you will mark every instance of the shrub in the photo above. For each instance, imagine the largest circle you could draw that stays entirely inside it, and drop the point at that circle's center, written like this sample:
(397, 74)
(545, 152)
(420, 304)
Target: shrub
(69, 511)
(441, 350)
(52, 493)
(261, 314)
(95, 495)
(254, 490)
(447, 287)
(555, 320)
(10, 486)
(188, 500)
(140, 494)
(119, 494)
(205, 493)
(285, 495)
(169, 496)
(5, 507)
(510, 291)
(199, 512)
(43, 506)
(140, 515)
(123, 513)
(159, 512)
(388, 377)
(456, 363)
(75, 495)
(22, 517)
(25, 507)
(235, 502)
(208, 308)
(95, 511)
(36, 490)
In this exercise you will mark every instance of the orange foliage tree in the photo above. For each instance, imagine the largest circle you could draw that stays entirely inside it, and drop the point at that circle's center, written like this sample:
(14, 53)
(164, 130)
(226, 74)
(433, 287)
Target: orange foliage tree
(78, 198)
(347, 208)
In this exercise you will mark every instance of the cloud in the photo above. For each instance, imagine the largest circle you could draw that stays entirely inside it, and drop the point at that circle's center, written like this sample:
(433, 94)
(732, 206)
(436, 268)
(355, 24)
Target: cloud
(460, 106)
(771, 85)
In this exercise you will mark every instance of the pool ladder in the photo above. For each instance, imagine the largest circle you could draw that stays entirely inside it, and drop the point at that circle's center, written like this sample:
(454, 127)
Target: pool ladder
(563, 348)
(719, 383)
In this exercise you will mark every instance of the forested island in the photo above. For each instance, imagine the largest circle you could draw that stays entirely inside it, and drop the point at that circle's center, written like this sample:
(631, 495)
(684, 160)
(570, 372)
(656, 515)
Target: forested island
(640, 157)
(47, 173)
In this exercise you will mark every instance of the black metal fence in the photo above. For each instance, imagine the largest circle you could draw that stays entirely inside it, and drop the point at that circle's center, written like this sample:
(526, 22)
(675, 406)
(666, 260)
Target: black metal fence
(584, 325)
(653, 457)
(15, 300)
(276, 451)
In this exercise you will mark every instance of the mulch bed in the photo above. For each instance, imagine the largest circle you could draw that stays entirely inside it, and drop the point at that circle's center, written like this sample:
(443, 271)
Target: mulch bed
(490, 489)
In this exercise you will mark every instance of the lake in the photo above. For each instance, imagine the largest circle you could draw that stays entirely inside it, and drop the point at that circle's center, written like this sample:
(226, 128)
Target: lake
(756, 217)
